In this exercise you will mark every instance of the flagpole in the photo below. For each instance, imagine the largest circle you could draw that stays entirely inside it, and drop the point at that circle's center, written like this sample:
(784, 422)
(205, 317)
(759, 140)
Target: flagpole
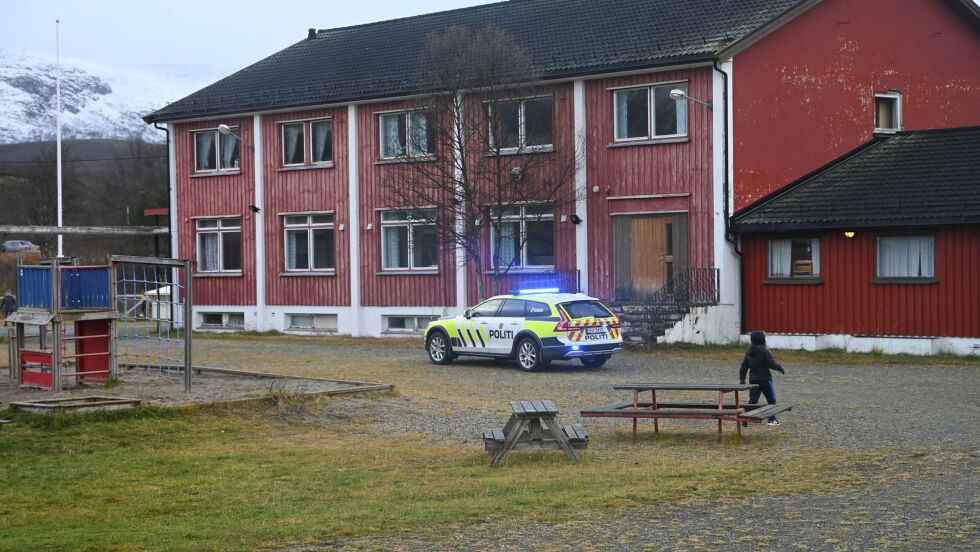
(57, 49)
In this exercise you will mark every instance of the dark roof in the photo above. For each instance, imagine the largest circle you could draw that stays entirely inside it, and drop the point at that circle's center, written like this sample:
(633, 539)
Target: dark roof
(915, 178)
(565, 38)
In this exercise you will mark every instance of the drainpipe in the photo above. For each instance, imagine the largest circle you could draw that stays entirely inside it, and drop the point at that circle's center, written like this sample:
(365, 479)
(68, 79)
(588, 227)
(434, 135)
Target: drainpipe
(169, 218)
(729, 237)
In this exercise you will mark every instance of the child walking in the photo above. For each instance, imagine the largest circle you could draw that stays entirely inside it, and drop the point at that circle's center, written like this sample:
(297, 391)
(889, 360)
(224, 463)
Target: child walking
(758, 362)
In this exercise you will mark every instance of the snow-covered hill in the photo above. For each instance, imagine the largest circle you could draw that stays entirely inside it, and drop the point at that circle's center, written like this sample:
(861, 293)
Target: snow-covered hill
(97, 101)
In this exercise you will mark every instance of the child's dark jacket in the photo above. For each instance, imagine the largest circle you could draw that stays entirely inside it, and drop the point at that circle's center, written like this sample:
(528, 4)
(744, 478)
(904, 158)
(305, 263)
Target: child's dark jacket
(758, 362)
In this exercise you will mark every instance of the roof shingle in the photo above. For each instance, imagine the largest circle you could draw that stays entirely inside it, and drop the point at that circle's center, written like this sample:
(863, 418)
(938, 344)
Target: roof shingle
(564, 37)
(915, 178)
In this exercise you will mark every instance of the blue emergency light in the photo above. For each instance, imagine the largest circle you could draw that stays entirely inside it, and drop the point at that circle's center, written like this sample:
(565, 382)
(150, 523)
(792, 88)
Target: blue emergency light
(532, 291)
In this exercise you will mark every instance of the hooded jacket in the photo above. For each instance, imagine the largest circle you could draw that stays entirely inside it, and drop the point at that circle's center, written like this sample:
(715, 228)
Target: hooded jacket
(758, 362)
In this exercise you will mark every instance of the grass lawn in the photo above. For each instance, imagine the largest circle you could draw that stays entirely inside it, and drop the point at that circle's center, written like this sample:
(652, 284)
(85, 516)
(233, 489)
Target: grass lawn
(212, 479)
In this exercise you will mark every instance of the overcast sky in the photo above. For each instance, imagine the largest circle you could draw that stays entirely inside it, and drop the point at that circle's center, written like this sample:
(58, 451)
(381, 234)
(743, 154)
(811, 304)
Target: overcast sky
(215, 37)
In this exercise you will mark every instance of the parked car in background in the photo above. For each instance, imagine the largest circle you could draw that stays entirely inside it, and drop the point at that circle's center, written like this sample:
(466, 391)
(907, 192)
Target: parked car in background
(18, 245)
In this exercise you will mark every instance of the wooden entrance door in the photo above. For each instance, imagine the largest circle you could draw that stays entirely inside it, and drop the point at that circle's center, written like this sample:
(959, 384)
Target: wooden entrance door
(645, 253)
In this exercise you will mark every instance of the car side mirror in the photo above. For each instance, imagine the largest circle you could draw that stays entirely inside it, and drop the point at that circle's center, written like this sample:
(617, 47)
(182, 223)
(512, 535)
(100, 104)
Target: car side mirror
(467, 313)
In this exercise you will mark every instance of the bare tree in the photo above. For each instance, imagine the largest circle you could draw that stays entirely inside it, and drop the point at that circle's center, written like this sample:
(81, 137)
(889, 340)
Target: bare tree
(477, 149)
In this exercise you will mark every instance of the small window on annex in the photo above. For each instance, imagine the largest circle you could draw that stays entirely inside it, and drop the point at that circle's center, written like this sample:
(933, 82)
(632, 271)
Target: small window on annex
(905, 257)
(888, 112)
(649, 112)
(406, 134)
(214, 151)
(309, 242)
(794, 258)
(408, 240)
(521, 124)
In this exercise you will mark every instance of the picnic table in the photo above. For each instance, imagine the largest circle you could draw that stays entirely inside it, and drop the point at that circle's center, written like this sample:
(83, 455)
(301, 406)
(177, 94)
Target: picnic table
(720, 411)
(532, 426)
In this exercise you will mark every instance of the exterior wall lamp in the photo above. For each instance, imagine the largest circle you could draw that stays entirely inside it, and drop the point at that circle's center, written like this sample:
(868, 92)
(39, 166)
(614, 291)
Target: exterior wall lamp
(677, 95)
(225, 130)
(848, 234)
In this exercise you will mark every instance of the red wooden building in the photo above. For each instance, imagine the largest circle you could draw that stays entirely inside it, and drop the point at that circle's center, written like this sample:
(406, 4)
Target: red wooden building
(682, 110)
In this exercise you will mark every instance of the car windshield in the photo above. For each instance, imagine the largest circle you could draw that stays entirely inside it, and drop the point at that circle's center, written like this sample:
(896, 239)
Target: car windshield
(586, 309)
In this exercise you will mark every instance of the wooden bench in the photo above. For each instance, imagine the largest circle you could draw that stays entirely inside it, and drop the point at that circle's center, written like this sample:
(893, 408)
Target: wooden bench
(5, 422)
(758, 413)
(532, 426)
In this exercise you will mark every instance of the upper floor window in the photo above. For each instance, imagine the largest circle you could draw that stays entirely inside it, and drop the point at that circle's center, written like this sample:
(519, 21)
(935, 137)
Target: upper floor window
(214, 151)
(309, 242)
(649, 112)
(526, 238)
(794, 258)
(521, 124)
(888, 112)
(296, 135)
(906, 257)
(219, 244)
(408, 240)
(406, 134)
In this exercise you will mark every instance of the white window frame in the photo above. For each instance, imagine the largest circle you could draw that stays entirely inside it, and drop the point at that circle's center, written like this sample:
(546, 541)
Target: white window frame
(896, 98)
(219, 229)
(411, 221)
(406, 113)
(308, 143)
(322, 322)
(218, 139)
(225, 320)
(776, 273)
(521, 125)
(309, 227)
(929, 254)
(523, 218)
(681, 106)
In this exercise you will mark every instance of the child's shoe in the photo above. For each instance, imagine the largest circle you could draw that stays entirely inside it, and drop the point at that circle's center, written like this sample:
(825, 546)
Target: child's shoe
(773, 422)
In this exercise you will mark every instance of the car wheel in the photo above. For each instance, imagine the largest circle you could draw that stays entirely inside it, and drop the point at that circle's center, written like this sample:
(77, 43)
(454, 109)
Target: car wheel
(439, 349)
(529, 355)
(594, 361)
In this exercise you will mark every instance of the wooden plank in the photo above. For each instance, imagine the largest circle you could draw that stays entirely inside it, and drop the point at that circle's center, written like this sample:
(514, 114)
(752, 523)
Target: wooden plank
(517, 407)
(550, 406)
(562, 441)
(661, 413)
(509, 443)
(498, 434)
(767, 411)
(539, 406)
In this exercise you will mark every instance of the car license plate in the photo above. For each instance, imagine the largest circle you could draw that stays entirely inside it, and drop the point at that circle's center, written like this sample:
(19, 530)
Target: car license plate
(595, 330)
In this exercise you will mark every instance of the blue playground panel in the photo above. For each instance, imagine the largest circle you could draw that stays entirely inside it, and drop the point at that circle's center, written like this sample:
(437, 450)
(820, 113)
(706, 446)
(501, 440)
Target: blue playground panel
(82, 287)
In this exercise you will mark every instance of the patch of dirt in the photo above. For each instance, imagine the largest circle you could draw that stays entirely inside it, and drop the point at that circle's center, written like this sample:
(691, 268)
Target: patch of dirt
(208, 387)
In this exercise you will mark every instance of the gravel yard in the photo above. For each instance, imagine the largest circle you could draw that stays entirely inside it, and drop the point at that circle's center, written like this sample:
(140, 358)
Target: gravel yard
(919, 424)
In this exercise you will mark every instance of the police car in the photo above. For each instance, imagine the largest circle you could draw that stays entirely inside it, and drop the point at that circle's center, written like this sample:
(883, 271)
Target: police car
(533, 327)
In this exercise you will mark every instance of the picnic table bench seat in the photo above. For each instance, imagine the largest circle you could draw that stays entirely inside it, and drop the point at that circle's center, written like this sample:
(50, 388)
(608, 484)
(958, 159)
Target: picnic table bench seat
(765, 411)
(5, 422)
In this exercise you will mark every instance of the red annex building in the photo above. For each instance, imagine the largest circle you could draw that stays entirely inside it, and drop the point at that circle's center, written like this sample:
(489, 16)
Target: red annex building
(681, 111)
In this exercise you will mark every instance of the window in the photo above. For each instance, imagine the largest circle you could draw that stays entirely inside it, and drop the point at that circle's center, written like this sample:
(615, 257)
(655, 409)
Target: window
(906, 257)
(405, 324)
(521, 124)
(794, 258)
(888, 112)
(526, 237)
(214, 151)
(312, 322)
(406, 134)
(408, 240)
(295, 135)
(635, 120)
(309, 242)
(486, 308)
(230, 320)
(219, 245)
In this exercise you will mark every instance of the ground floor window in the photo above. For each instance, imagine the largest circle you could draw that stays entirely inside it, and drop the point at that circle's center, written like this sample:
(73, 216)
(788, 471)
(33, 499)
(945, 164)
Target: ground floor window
(906, 256)
(408, 240)
(526, 236)
(219, 244)
(794, 258)
(407, 323)
(309, 242)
